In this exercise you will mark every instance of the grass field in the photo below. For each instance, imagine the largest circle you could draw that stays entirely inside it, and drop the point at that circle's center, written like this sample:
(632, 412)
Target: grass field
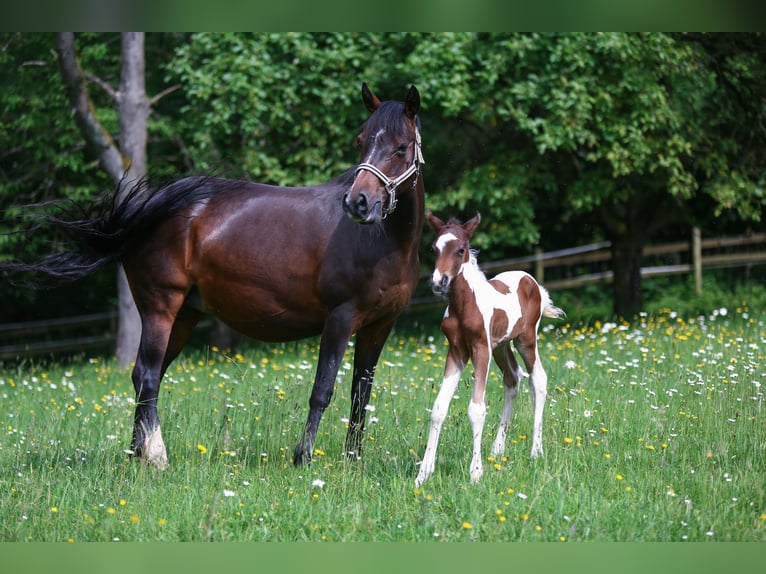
(654, 431)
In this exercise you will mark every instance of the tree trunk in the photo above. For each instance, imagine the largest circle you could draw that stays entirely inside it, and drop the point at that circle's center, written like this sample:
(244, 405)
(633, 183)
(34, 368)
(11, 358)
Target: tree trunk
(626, 265)
(126, 163)
(134, 114)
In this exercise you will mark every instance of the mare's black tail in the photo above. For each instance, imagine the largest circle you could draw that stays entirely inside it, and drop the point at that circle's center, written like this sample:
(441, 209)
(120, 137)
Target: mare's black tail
(94, 234)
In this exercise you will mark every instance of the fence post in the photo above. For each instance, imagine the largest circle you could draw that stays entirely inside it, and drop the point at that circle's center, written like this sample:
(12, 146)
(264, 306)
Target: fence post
(697, 259)
(539, 265)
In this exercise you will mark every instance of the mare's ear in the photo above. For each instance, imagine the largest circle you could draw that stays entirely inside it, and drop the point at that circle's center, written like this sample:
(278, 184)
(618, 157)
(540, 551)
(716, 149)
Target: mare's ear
(471, 225)
(371, 101)
(435, 223)
(412, 103)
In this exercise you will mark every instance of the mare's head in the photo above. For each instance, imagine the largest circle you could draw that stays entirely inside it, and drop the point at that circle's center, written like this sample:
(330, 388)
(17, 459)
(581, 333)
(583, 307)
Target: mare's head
(389, 142)
(452, 248)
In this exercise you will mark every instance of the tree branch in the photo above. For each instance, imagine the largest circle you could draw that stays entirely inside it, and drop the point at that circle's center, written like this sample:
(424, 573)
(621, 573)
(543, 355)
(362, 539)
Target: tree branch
(77, 92)
(163, 93)
(102, 84)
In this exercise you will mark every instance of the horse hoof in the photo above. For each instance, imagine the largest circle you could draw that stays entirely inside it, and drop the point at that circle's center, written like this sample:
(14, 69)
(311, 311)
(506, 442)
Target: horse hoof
(301, 457)
(153, 453)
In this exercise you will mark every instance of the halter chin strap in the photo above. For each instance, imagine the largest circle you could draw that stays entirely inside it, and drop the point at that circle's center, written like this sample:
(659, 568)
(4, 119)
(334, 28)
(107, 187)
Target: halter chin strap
(392, 184)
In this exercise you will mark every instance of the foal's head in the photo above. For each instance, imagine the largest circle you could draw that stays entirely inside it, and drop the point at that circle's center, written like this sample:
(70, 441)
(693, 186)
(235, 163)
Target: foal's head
(389, 142)
(452, 249)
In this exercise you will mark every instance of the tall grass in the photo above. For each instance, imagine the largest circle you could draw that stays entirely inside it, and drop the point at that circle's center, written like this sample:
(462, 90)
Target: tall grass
(653, 431)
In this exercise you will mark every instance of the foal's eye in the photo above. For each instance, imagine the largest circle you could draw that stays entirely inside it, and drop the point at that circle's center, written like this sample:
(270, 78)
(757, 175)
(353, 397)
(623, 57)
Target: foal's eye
(461, 251)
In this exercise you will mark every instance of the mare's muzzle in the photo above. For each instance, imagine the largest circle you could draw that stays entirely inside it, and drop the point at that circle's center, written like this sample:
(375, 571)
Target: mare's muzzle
(361, 208)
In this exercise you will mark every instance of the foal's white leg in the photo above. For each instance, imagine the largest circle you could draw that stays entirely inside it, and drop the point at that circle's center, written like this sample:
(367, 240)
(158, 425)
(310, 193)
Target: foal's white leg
(538, 387)
(438, 414)
(512, 374)
(477, 413)
(477, 409)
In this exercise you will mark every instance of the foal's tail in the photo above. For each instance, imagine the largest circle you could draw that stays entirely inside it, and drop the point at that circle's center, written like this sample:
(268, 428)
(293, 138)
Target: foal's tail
(93, 235)
(548, 308)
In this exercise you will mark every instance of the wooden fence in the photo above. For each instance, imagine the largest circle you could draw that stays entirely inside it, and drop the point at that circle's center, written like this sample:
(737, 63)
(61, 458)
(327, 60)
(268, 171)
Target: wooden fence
(562, 269)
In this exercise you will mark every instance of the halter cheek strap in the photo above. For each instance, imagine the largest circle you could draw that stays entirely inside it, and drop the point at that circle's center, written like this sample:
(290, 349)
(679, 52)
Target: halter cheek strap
(392, 184)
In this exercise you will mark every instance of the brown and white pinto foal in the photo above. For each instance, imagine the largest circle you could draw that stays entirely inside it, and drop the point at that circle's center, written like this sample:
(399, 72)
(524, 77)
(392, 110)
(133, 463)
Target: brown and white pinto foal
(482, 319)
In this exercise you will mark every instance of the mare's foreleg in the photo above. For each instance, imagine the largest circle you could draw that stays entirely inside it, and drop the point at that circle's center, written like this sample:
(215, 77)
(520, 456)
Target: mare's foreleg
(369, 344)
(452, 370)
(335, 336)
(505, 359)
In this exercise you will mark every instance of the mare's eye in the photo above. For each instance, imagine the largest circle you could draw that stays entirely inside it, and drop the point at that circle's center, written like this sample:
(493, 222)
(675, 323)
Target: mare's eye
(401, 150)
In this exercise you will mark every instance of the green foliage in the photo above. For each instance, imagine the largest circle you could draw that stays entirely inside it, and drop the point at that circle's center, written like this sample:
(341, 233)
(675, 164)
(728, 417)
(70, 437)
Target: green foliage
(557, 139)
(280, 108)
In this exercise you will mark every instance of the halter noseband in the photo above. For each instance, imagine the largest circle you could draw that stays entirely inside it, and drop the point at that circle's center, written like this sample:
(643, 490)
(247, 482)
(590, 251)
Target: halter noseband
(392, 184)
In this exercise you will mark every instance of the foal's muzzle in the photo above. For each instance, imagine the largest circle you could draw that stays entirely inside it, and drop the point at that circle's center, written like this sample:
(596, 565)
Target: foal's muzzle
(440, 285)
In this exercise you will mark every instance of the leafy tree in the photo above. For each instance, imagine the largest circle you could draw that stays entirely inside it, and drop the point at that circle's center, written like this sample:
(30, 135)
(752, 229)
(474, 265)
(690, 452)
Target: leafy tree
(601, 131)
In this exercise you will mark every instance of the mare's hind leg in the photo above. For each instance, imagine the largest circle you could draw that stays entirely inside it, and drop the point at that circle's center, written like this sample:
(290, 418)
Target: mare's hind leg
(369, 344)
(335, 336)
(505, 359)
(162, 338)
(183, 327)
(538, 387)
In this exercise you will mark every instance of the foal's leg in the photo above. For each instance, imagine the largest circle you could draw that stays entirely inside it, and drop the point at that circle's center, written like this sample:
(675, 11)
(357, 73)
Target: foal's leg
(538, 386)
(453, 368)
(505, 359)
(369, 344)
(477, 408)
(335, 336)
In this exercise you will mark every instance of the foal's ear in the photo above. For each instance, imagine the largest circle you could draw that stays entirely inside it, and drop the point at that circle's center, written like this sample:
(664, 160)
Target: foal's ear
(435, 223)
(412, 103)
(471, 225)
(370, 100)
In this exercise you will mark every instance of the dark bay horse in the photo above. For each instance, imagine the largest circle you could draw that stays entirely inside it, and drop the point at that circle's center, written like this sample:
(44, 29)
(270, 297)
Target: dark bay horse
(483, 318)
(274, 263)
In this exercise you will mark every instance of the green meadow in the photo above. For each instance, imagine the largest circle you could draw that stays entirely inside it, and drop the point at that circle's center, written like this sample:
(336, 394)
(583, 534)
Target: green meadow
(653, 431)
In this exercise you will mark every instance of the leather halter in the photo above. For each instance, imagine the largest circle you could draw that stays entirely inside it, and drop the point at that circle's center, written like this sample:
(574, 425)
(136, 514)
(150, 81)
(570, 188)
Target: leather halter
(392, 184)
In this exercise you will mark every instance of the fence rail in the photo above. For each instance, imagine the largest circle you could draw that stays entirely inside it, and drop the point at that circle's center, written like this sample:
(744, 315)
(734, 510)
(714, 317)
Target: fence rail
(582, 265)
(23, 338)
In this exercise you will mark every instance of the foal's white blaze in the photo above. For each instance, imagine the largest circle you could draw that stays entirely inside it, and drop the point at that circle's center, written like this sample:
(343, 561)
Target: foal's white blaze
(440, 244)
